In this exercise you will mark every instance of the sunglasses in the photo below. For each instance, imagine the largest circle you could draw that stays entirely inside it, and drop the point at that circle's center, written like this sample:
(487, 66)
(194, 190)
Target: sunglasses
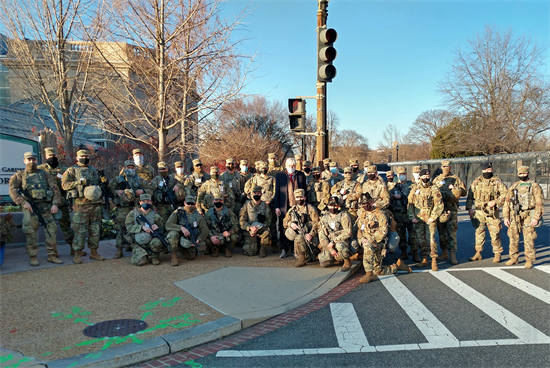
(190, 203)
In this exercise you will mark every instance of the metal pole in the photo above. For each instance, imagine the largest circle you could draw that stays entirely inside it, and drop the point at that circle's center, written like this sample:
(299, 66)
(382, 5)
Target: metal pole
(322, 133)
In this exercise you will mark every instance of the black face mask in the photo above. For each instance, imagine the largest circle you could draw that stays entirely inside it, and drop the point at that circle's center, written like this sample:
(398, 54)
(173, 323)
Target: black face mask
(316, 176)
(523, 178)
(218, 204)
(84, 161)
(333, 210)
(163, 173)
(301, 202)
(257, 197)
(425, 180)
(355, 169)
(327, 167)
(371, 176)
(30, 167)
(53, 162)
(487, 175)
(307, 170)
(230, 167)
(263, 171)
(146, 206)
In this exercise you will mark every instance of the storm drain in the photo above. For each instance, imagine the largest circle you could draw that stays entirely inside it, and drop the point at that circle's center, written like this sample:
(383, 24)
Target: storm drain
(116, 327)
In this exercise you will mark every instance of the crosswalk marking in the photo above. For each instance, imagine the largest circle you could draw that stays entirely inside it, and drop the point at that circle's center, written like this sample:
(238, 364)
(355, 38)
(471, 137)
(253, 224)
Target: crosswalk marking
(521, 284)
(543, 268)
(524, 331)
(348, 329)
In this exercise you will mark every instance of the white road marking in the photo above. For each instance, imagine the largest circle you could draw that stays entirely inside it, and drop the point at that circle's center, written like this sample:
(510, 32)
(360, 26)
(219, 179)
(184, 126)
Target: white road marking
(349, 331)
(521, 284)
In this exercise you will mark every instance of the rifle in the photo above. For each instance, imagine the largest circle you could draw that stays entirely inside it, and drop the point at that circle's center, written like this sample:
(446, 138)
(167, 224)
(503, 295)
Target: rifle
(35, 210)
(169, 197)
(106, 211)
(301, 230)
(191, 229)
(154, 232)
(404, 199)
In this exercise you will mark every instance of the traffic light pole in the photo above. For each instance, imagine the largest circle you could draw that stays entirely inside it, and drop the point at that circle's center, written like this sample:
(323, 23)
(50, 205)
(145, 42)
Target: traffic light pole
(322, 133)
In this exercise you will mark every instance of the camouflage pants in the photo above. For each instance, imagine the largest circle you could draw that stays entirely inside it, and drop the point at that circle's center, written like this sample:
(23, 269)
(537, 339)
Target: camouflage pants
(372, 261)
(494, 226)
(300, 245)
(139, 254)
(404, 224)
(447, 230)
(233, 239)
(65, 224)
(120, 227)
(529, 236)
(426, 233)
(326, 259)
(250, 246)
(164, 211)
(174, 239)
(86, 219)
(30, 225)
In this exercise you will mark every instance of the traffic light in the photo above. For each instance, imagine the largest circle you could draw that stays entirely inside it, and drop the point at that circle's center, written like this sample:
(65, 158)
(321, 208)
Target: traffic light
(326, 54)
(297, 109)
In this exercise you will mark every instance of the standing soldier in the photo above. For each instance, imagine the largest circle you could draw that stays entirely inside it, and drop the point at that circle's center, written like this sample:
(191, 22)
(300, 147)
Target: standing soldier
(53, 167)
(143, 170)
(335, 235)
(255, 220)
(299, 162)
(144, 243)
(485, 197)
(81, 182)
(354, 164)
(372, 230)
(523, 211)
(416, 174)
(425, 207)
(126, 190)
(223, 227)
(389, 177)
(186, 221)
(245, 176)
(164, 192)
(232, 178)
(377, 190)
(274, 165)
(399, 194)
(198, 177)
(211, 188)
(451, 188)
(302, 223)
(326, 169)
(37, 192)
(348, 192)
(315, 197)
(183, 184)
(310, 182)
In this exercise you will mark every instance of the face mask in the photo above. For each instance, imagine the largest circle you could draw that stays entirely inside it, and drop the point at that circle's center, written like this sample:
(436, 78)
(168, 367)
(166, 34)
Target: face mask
(333, 210)
(263, 171)
(334, 170)
(179, 170)
(348, 176)
(218, 204)
(446, 170)
(290, 170)
(244, 168)
(257, 197)
(189, 209)
(316, 176)
(301, 202)
(307, 170)
(163, 173)
(30, 167)
(425, 180)
(369, 206)
(130, 172)
(230, 167)
(371, 176)
(416, 176)
(487, 175)
(146, 206)
(364, 169)
(138, 160)
(354, 169)
(53, 162)
(523, 178)
(214, 176)
(326, 167)
(402, 177)
(84, 161)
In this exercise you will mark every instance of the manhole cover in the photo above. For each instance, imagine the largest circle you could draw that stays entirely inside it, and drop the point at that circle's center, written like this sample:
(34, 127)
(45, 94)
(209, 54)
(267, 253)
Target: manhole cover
(116, 327)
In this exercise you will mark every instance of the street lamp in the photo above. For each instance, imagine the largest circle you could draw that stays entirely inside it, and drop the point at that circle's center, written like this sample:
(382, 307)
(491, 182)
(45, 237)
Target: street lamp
(397, 155)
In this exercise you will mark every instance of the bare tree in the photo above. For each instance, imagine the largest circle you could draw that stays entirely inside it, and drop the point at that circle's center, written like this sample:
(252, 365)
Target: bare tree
(348, 144)
(498, 79)
(426, 125)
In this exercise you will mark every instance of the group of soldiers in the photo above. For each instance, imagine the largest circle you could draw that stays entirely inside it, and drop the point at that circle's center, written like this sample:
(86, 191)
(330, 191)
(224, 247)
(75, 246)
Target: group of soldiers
(335, 219)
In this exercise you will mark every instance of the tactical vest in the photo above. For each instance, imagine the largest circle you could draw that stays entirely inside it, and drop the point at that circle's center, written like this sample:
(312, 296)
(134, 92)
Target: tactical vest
(332, 224)
(213, 189)
(525, 195)
(369, 224)
(318, 188)
(159, 193)
(36, 185)
(150, 217)
(233, 182)
(350, 204)
(424, 199)
(485, 190)
(398, 205)
(443, 184)
(86, 172)
(373, 188)
(253, 212)
(266, 184)
(215, 220)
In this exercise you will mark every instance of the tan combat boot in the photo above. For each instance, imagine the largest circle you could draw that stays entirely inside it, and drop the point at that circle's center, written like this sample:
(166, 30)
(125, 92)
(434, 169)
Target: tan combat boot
(511, 262)
(118, 254)
(434, 264)
(174, 259)
(453, 258)
(347, 265)
(34, 261)
(367, 278)
(496, 259)
(476, 257)
(416, 257)
(262, 252)
(95, 255)
(300, 261)
(228, 253)
(444, 256)
(77, 255)
(424, 262)
(54, 259)
(81, 252)
(155, 261)
(402, 266)
(528, 264)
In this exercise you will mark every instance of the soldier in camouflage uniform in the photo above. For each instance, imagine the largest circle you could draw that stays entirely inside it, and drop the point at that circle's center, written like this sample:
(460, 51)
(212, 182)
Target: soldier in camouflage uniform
(143, 170)
(197, 178)
(335, 235)
(302, 215)
(299, 162)
(232, 178)
(523, 210)
(485, 196)
(372, 231)
(55, 169)
(139, 234)
(81, 182)
(416, 174)
(348, 192)
(451, 188)
(39, 187)
(354, 164)
(274, 165)
(425, 207)
(183, 184)
(255, 220)
(399, 194)
(224, 229)
(126, 190)
(186, 221)
(326, 169)
(245, 176)
(162, 185)
(390, 175)
(375, 188)
(315, 197)
(213, 187)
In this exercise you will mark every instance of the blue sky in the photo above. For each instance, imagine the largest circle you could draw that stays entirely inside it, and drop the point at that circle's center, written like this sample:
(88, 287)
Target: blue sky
(391, 54)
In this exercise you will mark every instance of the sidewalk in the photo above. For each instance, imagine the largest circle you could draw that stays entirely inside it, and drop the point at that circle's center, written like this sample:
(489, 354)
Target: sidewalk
(45, 309)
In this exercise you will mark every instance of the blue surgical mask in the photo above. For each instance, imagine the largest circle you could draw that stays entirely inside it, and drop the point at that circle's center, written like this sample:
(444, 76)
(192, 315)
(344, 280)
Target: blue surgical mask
(402, 177)
(334, 170)
(244, 168)
(130, 172)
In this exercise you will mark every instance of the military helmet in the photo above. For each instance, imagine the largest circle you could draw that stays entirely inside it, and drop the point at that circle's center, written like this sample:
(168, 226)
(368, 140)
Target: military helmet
(129, 163)
(92, 193)
(128, 196)
(184, 242)
(299, 193)
(50, 151)
(29, 155)
(143, 238)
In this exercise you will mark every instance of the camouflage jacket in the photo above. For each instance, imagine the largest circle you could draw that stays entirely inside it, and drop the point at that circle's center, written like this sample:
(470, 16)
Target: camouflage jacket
(57, 173)
(337, 228)
(243, 179)
(185, 185)
(70, 182)
(144, 171)
(425, 202)
(159, 190)
(402, 189)
(450, 197)
(274, 170)
(530, 199)
(41, 187)
(307, 215)
(250, 213)
(483, 191)
(134, 226)
(195, 223)
(378, 192)
(353, 194)
(136, 182)
(372, 226)
(233, 181)
(266, 182)
(196, 180)
(218, 222)
(211, 188)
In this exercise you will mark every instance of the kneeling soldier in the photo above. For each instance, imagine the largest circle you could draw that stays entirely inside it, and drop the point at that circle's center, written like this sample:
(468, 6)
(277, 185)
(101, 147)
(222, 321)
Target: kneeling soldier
(335, 235)
(372, 230)
(189, 222)
(255, 219)
(301, 223)
(223, 228)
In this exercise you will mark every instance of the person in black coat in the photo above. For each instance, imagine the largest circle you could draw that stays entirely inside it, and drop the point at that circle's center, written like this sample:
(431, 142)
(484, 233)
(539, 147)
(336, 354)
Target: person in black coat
(285, 184)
